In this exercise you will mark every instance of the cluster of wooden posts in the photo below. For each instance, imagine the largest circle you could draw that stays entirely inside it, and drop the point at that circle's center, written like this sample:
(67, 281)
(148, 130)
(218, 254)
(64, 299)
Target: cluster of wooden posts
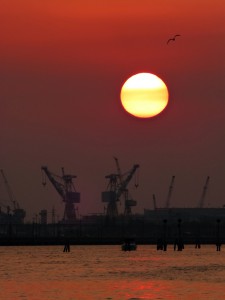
(178, 241)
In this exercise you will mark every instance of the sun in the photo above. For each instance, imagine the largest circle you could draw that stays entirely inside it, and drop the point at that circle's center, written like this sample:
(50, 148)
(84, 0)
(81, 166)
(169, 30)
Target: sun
(144, 95)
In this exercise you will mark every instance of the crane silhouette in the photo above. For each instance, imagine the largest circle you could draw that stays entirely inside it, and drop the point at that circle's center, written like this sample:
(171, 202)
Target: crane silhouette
(173, 39)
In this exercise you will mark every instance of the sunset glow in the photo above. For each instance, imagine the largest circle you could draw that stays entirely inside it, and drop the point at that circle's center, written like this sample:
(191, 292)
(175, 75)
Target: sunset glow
(144, 95)
(63, 65)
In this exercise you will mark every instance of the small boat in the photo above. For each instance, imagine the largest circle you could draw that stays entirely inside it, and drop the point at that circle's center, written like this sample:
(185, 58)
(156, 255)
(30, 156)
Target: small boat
(129, 245)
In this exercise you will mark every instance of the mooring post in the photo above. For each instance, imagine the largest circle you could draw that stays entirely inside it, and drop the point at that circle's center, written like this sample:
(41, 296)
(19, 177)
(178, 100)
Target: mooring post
(218, 242)
(164, 234)
(180, 245)
(67, 247)
(198, 237)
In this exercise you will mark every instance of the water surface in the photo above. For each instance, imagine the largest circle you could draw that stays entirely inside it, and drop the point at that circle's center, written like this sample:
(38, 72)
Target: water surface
(106, 272)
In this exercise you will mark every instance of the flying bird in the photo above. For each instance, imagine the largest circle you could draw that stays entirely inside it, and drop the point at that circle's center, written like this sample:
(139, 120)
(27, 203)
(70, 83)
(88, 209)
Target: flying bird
(173, 39)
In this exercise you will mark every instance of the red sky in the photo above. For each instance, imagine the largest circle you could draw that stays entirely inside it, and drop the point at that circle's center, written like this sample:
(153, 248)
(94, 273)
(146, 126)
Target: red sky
(62, 64)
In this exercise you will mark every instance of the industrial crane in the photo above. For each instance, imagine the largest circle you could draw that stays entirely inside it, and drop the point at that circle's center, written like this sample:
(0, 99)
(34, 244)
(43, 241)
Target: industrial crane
(202, 199)
(9, 191)
(122, 188)
(116, 187)
(18, 213)
(170, 192)
(66, 189)
(109, 196)
(120, 177)
(7, 207)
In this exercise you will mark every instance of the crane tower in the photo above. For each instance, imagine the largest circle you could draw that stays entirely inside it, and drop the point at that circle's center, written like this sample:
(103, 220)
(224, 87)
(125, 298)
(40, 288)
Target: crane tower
(124, 191)
(66, 189)
(109, 196)
(18, 213)
(117, 186)
(202, 199)
(170, 192)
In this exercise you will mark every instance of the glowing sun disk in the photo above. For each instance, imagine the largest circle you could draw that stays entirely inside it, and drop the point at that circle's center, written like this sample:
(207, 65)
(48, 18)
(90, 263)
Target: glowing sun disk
(144, 95)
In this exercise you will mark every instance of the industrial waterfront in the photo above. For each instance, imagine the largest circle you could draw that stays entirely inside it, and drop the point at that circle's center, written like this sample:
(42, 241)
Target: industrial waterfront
(197, 225)
(100, 230)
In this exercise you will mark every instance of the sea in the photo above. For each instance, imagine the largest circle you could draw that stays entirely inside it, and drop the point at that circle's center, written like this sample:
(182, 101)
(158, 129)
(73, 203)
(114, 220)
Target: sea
(107, 272)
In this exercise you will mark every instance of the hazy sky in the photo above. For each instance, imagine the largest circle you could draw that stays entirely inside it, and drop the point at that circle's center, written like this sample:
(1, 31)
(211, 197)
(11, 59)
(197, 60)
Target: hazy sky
(62, 65)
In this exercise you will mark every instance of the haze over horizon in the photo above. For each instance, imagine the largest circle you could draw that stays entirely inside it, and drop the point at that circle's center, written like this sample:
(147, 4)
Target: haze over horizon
(63, 64)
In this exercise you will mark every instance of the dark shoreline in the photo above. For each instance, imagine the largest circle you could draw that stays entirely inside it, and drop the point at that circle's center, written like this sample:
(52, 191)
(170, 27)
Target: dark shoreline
(103, 232)
(85, 241)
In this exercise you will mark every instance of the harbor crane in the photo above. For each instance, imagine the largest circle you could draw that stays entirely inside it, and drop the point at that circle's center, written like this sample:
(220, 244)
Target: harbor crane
(120, 176)
(109, 196)
(170, 192)
(18, 213)
(116, 187)
(65, 187)
(128, 202)
(205, 187)
(15, 204)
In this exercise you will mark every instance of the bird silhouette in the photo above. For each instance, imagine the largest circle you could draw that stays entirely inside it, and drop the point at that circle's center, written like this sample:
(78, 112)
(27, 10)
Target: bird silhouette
(173, 39)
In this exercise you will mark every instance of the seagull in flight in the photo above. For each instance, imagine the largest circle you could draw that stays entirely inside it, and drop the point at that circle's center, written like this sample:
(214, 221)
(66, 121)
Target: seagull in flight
(173, 39)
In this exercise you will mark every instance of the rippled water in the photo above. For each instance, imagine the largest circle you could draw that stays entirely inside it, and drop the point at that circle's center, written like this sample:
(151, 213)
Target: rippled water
(106, 272)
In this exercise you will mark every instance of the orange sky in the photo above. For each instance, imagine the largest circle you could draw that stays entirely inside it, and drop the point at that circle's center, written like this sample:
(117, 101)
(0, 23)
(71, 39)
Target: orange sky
(62, 66)
(72, 33)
